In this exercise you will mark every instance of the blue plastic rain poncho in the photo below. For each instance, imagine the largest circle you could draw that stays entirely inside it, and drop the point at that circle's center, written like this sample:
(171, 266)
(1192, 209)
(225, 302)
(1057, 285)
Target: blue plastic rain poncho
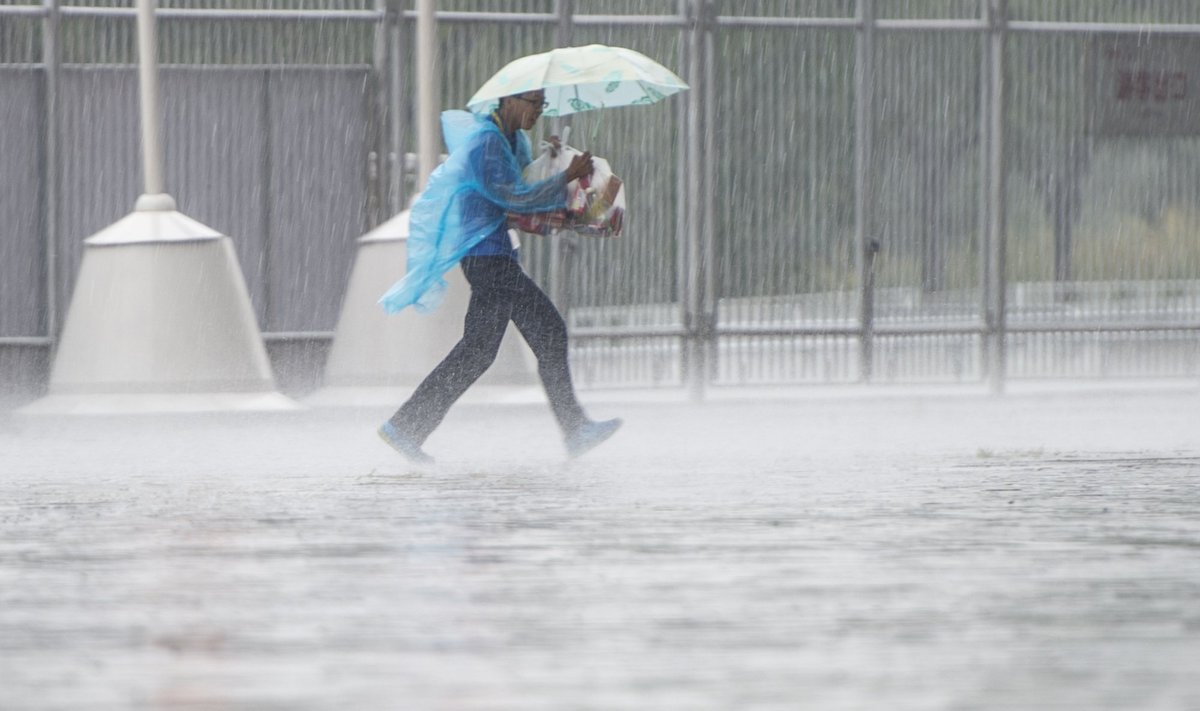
(466, 200)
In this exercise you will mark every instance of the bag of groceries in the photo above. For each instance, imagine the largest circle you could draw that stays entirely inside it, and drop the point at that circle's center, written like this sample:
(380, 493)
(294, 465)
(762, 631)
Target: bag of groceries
(595, 203)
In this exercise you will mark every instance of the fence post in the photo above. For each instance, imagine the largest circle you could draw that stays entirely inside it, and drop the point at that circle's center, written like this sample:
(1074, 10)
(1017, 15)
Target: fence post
(865, 243)
(51, 66)
(997, 232)
(682, 185)
(698, 318)
(562, 248)
(399, 115)
(428, 92)
(377, 121)
(985, 189)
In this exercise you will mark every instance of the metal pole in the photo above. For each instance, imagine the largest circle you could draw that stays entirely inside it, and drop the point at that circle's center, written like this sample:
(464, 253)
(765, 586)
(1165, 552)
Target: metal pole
(428, 141)
(682, 193)
(378, 167)
(865, 243)
(997, 227)
(266, 306)
(708, 294)
(400, 114)
(693, 364)
(52, 63)
(562, 249)
(985, 188)
(152, 161)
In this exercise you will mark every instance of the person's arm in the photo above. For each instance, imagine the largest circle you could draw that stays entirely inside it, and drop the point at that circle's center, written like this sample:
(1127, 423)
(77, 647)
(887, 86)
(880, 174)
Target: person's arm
(502, 183)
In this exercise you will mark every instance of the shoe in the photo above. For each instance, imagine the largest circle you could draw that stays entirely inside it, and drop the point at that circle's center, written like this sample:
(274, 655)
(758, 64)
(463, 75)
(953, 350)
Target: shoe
(403, 444)
(589, 435)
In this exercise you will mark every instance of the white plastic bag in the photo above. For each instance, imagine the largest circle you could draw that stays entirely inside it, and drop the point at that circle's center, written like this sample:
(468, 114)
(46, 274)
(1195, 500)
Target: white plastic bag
(595, 203)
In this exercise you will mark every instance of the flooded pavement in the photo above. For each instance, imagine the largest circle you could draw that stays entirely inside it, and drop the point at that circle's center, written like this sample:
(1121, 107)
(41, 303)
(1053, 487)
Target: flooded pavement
(1031, 552)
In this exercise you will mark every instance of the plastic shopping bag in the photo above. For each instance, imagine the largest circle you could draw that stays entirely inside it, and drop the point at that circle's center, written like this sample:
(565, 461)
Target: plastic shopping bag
(595, 203)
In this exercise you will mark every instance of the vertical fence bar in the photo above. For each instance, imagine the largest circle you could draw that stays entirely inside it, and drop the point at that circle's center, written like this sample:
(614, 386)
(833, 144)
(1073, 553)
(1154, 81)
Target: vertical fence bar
(377, 134)
(997, 226)
(399, 122)
(708, 221)
(562, 249)
(696, 321)
(864, 134)
(985, 187)
(682, 187)
(51, 67)
(688, 252)
(267, 197)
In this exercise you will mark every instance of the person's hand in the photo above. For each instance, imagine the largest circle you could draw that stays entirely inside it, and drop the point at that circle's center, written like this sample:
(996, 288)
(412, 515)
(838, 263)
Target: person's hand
(580, 166)
(555, 145)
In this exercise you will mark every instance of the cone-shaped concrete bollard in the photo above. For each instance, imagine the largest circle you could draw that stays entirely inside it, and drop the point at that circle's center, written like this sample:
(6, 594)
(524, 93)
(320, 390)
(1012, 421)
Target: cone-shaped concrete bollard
(160, 321)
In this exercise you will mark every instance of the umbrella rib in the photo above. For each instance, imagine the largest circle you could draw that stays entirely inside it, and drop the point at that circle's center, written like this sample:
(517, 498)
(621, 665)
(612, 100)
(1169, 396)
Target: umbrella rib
(546, 70)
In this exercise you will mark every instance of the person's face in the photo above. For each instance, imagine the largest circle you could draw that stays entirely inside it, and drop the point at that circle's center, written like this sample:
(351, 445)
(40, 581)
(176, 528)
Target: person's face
(529, 107)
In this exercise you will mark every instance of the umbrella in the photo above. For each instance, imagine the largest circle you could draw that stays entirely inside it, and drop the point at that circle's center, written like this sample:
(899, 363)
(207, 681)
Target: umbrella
(581, 79)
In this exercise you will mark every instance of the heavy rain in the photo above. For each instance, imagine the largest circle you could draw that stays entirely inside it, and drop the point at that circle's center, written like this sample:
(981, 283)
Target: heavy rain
(903, 324)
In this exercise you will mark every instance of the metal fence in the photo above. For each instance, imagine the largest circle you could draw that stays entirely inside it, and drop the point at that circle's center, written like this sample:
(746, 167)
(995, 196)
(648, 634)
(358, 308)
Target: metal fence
(854, 190)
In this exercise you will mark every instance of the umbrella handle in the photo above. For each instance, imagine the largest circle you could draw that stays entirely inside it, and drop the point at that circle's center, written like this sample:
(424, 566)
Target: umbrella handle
(562, 141)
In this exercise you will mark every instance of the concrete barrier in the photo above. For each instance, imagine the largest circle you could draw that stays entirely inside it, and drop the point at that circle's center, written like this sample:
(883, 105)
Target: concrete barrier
(160, 321)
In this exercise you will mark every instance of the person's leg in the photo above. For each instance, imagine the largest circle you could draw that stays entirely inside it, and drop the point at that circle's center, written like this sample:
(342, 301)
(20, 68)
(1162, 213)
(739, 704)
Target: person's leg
(488, 313)
(546, 333)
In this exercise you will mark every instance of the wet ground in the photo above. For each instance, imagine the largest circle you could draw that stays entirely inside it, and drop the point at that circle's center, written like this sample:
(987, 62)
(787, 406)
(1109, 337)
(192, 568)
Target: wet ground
(932, 552)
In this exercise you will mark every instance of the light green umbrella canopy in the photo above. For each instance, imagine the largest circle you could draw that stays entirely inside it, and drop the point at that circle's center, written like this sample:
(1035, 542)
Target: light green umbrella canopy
(581, 79)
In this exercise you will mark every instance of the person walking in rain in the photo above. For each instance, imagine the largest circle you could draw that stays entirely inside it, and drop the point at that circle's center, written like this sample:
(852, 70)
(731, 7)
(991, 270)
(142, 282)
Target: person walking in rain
(462, 216)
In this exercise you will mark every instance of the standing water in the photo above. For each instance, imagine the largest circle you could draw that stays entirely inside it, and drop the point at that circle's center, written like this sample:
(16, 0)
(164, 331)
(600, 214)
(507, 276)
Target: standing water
(938, 552)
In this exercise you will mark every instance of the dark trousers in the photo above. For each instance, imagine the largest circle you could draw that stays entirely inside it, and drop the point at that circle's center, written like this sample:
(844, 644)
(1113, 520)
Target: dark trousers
(500, 292)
